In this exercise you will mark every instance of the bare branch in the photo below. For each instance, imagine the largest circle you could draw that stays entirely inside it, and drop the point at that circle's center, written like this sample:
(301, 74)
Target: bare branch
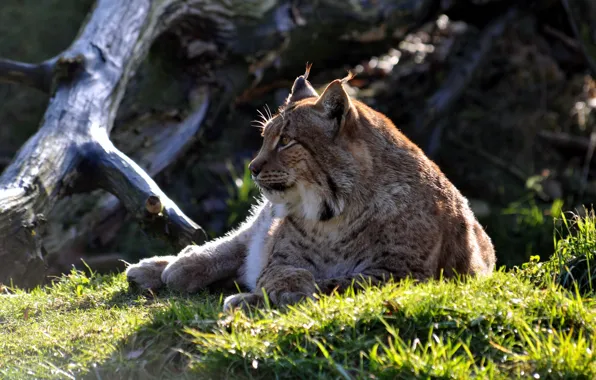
(577, 145)
(38, 76)
(141, 196)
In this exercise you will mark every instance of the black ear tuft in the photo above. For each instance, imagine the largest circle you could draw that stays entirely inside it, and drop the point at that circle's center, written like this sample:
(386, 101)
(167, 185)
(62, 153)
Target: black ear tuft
(302, 89)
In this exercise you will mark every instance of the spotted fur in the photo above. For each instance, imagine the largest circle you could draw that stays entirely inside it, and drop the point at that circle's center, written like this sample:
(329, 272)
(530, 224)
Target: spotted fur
(347, 197)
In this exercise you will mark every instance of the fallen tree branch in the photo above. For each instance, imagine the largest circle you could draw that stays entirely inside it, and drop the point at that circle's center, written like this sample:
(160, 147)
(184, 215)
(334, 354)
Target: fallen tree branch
(139, 194)
(90, 79)
(156, 146)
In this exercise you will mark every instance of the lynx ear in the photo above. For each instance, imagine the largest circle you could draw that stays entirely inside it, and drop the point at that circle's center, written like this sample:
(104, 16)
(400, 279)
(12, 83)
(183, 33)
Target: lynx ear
(335, 101)
(302, 88)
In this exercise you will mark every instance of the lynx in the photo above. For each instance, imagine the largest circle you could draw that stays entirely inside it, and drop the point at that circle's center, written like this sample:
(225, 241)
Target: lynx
(348, 200)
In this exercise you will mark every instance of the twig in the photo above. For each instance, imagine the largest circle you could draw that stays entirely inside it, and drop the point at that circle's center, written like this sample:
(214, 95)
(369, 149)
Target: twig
(37, 76)
(566, 40)
(563, 140)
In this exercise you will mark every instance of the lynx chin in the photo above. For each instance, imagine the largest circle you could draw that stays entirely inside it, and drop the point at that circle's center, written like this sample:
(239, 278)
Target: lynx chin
(347, 199)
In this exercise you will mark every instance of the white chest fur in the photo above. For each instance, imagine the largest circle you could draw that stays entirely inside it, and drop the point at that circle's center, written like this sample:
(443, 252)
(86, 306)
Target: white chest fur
(256, 257)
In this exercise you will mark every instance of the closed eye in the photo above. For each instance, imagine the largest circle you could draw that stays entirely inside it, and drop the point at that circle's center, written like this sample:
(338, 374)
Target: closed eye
(285, 142)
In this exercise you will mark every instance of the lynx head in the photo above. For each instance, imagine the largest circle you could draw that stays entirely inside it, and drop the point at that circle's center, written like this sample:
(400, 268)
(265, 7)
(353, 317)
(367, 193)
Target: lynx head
(310, 160)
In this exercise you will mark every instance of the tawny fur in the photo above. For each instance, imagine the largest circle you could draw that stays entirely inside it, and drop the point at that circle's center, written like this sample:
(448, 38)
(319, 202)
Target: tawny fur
(347, 198)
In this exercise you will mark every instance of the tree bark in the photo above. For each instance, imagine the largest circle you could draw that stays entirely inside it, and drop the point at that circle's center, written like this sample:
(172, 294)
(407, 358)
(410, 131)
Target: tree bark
(90, 80)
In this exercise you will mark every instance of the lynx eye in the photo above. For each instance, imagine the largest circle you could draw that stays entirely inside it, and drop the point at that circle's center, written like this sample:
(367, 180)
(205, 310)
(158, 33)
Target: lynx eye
(284, 141)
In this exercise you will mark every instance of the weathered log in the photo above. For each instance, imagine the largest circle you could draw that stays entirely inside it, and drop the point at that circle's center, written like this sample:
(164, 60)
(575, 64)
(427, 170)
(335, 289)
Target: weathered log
(91, 78)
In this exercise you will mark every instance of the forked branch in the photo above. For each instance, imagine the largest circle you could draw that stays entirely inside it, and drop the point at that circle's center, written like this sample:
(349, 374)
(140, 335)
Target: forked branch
(115, 172)
(90, 79)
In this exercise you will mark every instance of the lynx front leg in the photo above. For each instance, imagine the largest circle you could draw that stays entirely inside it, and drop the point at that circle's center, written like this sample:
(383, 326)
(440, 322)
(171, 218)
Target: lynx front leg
(194, 268)
(197, 267)
(284, 285)
(146, 274)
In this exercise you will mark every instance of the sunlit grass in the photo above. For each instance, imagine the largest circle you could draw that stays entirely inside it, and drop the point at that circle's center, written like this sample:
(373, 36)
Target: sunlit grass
(500, 326)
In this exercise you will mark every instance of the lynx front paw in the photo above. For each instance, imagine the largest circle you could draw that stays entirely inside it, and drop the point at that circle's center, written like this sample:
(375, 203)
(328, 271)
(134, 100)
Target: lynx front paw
(189, 272)
(247, 300)
(243, 301)
(291, 298)
(146, 274)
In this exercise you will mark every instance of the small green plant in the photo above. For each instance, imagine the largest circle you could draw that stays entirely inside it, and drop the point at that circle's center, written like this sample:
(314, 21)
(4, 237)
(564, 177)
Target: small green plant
(529, 215)
(523, 229)
(242, 192)
(573, 264)
(576, 253)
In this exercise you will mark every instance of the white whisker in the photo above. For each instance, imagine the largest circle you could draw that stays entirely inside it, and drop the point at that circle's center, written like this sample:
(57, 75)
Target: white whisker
(262, 116)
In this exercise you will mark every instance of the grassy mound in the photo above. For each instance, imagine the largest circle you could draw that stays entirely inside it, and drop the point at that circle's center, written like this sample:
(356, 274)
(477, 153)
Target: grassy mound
(536, 321)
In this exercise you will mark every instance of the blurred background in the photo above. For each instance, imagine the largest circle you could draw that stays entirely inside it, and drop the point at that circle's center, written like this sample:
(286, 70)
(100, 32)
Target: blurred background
(501, 94)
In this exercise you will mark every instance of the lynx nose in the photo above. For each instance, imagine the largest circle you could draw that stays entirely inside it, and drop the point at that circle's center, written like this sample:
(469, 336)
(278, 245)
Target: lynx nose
(254, 168)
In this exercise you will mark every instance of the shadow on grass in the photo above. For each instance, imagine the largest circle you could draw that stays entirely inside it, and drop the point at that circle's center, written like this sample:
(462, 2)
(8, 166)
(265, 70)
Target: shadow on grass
(160, 348)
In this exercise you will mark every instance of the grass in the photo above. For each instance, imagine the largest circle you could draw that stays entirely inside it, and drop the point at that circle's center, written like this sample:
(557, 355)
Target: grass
(537, 321)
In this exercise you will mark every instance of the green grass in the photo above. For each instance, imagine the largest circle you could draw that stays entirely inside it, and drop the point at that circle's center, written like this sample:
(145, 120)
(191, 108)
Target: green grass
(537, 321)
